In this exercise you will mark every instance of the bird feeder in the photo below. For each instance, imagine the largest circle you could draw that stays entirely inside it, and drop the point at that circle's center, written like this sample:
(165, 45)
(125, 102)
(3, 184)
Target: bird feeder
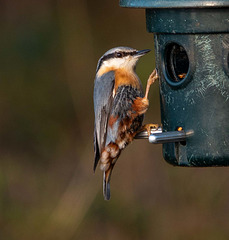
(192, 59)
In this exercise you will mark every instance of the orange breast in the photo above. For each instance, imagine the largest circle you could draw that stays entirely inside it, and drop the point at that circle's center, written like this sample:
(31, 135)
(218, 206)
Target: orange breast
(104, 70)
(123, 77)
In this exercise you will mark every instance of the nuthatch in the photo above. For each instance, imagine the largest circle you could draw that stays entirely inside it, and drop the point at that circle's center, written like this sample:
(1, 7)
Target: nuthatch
(119, 105)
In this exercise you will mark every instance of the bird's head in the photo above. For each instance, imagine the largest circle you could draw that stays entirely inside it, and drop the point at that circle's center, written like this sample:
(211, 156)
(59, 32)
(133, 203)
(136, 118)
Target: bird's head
(120, 57)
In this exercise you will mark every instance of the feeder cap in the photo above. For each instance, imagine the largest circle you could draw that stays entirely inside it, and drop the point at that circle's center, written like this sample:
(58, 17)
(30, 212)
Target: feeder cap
(173, 3)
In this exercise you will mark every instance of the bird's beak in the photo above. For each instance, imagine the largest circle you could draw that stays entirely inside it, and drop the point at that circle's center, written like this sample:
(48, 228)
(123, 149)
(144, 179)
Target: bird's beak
(142, 52)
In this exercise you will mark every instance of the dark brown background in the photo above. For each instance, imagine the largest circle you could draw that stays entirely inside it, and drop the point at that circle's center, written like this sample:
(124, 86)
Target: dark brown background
(48, 56)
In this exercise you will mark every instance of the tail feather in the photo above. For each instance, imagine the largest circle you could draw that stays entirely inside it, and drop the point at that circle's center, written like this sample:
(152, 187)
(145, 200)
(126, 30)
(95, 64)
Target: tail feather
(108, 159)
(106, 182)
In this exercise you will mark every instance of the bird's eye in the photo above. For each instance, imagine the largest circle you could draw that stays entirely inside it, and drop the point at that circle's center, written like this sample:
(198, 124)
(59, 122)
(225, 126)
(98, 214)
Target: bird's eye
(119, 54)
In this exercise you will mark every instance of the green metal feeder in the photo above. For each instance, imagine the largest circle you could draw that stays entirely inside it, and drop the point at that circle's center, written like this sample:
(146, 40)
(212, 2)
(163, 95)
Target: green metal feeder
(192, 58)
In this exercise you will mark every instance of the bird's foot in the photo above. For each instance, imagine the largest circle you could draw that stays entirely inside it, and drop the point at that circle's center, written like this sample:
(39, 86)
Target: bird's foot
(152, 78)
(150, 128)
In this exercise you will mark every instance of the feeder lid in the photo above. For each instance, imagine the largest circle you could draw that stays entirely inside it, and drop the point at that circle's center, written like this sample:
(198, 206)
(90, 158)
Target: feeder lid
(173, 3)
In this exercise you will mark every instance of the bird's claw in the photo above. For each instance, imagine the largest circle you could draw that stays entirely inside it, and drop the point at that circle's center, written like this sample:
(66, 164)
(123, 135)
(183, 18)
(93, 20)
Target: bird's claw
(150, 128)
(153, 76)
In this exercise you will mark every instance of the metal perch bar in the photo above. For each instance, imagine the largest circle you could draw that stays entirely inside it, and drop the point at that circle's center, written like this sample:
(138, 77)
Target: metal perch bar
(157, 136)
(144, 134)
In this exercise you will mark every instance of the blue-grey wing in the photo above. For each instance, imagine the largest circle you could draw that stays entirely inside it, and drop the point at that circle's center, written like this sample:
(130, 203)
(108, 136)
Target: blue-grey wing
(103, 99)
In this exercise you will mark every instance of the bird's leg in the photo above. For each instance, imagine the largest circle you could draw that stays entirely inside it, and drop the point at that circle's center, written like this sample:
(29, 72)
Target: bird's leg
(152, 78)
(149, 127)
(141, 105)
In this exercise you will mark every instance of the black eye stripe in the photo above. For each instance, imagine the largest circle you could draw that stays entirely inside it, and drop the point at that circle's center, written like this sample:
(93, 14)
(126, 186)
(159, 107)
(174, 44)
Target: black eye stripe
(118, 54)
(114, 55)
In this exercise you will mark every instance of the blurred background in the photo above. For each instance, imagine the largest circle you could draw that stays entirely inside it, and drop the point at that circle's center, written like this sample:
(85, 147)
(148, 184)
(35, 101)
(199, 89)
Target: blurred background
(48, 55)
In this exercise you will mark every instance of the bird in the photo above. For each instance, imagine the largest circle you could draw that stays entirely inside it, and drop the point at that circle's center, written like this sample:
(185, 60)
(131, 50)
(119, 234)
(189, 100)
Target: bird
(119, 107)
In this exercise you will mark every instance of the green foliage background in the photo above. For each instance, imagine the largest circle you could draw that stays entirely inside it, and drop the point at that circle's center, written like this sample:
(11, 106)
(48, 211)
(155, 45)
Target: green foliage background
(48, 55)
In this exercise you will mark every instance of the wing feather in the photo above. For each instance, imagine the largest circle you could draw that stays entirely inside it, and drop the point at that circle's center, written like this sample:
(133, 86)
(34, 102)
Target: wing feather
(103, 99)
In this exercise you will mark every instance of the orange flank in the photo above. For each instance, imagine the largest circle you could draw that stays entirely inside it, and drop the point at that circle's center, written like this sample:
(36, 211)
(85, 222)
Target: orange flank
(112, 120)
(140, 105)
